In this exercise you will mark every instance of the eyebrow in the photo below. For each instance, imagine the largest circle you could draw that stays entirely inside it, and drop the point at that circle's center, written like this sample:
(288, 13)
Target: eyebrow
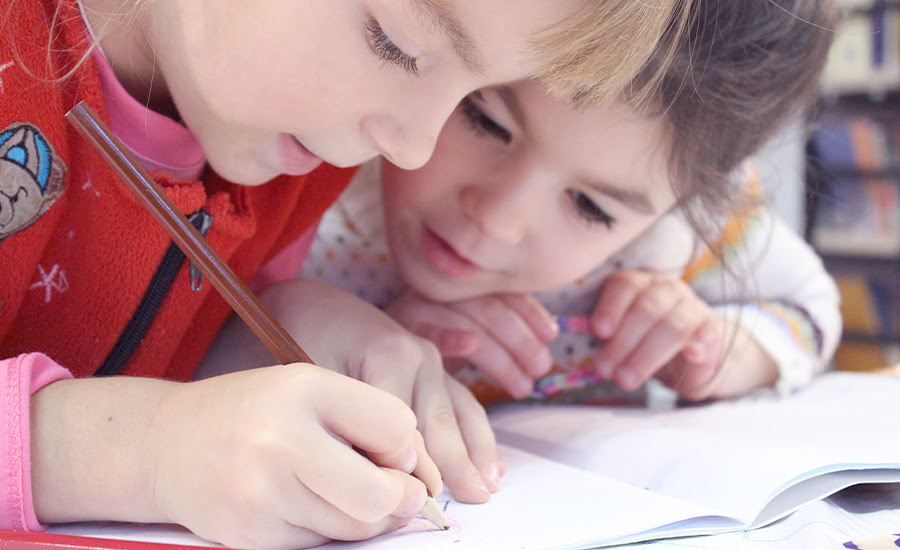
(438, 13)
(636, 200)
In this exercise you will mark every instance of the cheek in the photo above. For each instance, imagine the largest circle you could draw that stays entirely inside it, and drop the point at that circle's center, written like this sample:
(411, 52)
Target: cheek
(561, 266)
(561, 260)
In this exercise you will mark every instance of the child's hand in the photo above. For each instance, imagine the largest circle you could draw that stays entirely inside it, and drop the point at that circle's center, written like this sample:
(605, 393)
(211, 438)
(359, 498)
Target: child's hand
(660, 327)
(266, 458)
(346, 334)
(503, 335)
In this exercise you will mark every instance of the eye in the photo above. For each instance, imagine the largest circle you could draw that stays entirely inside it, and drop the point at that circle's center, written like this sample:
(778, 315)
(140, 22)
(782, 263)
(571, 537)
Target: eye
(481, 123)
(588, 210)
(387, 51)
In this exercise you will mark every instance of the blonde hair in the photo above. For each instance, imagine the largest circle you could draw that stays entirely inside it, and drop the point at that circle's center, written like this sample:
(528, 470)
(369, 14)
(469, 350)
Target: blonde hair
(593, 56)
(49, 71)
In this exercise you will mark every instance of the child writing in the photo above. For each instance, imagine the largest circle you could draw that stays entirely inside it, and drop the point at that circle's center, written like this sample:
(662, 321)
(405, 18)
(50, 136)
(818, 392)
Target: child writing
(613, 213)
(233, 106)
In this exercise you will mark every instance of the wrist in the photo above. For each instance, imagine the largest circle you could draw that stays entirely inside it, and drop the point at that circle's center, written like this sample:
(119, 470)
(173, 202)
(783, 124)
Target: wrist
(747, 366)
(92, 458)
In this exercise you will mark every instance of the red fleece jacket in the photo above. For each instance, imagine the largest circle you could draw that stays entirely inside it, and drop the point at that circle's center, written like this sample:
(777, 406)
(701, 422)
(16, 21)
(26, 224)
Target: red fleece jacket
(77, 251)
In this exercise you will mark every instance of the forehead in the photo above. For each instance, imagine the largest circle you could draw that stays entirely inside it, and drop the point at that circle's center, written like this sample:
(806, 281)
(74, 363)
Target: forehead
(497, 35)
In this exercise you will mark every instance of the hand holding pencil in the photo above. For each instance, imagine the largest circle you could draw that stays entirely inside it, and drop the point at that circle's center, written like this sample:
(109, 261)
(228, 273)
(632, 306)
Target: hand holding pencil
(271, 416)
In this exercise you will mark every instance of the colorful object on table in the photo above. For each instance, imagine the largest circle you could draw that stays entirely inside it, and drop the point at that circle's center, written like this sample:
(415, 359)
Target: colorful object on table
(883, 542)
(554, 384)
(576, 379)
(574, 323)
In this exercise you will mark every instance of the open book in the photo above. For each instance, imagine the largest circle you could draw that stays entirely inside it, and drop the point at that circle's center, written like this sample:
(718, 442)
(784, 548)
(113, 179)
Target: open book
(583, 477)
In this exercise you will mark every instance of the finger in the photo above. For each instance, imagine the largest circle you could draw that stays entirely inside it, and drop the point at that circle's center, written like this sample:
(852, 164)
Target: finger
(348, 479)
(443, 438)
(513, 334)
(452, 342)
(646, 309)
(663, 342)
(375, 422)
(477, 434)
(534, 314)
(309, 511)
(695, 379)
(367, 417)
(616, 296)
(427, 471)
(496, 362)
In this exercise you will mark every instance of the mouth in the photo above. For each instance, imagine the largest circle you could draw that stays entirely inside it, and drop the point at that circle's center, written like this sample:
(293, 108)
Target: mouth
(444, 258)
(296, 159)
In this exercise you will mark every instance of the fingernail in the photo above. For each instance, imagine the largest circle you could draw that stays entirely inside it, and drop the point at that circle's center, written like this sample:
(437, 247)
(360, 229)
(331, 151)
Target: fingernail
(409, 460)
(477, 481)
(549, 330)
(493, 477)
(524, 386)
(541, 363)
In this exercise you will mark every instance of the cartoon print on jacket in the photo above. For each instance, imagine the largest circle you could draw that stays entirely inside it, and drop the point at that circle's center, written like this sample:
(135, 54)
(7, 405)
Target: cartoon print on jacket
(31, 177)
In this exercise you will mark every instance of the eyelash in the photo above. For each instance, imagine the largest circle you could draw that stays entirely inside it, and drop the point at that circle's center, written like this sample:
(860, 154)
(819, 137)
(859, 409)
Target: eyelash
(481, 124)
(589, 210)
(387, 51)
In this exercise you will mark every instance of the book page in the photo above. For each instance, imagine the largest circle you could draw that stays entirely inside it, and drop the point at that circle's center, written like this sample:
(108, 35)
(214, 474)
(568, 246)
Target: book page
(542, 505)
(731, 457)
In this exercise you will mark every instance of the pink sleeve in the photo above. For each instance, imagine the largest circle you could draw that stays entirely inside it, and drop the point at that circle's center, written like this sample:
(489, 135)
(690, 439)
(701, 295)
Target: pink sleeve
(20, 377)
(286, 264)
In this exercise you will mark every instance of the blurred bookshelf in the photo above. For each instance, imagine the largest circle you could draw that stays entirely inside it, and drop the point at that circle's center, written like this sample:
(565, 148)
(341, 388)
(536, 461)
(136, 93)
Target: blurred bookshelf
(853, 180)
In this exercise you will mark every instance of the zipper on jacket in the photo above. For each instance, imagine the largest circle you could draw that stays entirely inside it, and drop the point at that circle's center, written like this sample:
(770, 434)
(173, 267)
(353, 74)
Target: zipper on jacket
(150, 303)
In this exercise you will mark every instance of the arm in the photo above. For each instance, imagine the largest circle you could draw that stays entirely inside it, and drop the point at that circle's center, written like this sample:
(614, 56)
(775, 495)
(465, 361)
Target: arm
(767, 315)
(229, 457)
(779, 293)
(20, 377)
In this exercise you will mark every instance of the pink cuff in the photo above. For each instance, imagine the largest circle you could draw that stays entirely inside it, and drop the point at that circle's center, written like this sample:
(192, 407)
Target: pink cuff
(20, 377)
(287, 263)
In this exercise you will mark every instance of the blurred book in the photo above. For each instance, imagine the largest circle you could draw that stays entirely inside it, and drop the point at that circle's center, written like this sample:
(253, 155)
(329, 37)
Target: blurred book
(865, 53)
(870, 306)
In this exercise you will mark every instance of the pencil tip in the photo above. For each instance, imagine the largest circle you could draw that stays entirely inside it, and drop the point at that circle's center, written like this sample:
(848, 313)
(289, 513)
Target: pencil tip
(432, 512)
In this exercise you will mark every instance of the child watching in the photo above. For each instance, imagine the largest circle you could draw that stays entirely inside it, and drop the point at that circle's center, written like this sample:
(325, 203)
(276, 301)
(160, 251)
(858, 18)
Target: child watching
(234, 106)
(609, 212)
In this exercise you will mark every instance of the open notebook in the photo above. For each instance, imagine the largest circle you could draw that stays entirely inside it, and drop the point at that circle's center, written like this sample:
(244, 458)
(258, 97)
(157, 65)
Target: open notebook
(583, 477)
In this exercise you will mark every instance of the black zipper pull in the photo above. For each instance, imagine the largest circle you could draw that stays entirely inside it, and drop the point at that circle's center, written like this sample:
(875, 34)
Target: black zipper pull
(202, 220)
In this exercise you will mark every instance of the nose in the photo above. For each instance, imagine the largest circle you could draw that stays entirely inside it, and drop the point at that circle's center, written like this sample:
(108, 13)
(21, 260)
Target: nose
(407, 145)
(503, 209)
(406, 133)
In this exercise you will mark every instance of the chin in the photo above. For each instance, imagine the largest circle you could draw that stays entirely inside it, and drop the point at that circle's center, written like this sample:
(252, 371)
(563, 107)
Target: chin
(243, 173)
(446, 293)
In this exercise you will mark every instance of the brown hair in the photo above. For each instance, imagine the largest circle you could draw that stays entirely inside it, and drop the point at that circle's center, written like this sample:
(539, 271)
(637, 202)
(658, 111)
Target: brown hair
(738, 73)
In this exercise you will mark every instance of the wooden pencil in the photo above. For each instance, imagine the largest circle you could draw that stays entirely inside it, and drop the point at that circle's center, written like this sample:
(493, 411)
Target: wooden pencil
(433, 513)
(198, 250)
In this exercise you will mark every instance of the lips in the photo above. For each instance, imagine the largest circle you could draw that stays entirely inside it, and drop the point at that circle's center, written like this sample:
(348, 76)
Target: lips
(295, 158)
(443, 258)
